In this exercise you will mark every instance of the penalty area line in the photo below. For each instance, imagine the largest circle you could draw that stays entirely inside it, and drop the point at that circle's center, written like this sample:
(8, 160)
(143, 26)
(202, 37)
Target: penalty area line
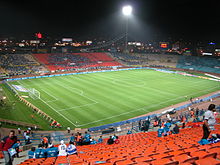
(53, 109)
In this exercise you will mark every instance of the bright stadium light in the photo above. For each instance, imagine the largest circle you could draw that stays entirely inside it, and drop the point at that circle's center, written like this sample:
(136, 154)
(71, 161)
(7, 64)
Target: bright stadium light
(127, 10)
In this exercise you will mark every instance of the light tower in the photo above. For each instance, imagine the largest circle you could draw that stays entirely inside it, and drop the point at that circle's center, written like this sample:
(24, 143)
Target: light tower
(127, 11)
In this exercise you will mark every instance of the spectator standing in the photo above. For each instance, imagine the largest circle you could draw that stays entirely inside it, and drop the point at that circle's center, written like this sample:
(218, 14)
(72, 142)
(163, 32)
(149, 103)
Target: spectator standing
(7, 143)
(19, 130)
(68, 129)
(209, 121)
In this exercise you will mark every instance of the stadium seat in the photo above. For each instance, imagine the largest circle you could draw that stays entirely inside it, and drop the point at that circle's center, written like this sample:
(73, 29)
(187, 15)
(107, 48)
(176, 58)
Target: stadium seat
(207, 161)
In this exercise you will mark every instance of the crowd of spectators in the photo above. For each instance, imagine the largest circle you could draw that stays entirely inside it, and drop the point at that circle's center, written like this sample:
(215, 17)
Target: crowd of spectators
(19, 64)
(66, 60)
(80, 140)
(44, 151)
(146, 59)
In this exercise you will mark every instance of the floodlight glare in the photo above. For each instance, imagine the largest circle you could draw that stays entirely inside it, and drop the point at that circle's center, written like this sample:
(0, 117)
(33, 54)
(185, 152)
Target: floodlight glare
(127, 10)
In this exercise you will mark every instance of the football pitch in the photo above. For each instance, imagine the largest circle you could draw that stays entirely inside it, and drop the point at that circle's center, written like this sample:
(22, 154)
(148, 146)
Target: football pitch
(87, 100)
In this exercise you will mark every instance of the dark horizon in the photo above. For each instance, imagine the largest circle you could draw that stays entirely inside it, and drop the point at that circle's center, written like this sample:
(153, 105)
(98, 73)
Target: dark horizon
(152, 19)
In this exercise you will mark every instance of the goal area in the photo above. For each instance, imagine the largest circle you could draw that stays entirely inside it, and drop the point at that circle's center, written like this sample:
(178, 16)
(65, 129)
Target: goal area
(34, 94)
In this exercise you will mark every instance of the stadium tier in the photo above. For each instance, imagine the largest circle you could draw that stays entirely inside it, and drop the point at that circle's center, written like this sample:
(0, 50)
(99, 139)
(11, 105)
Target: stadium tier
(16, 64)
(76, 60)
(204, 64)
(144, 148)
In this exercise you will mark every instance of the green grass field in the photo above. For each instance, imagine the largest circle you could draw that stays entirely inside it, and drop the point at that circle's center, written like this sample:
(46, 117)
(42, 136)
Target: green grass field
(88, 100)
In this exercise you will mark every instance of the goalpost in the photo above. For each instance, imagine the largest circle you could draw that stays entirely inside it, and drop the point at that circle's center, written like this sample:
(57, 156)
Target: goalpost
(34, 94)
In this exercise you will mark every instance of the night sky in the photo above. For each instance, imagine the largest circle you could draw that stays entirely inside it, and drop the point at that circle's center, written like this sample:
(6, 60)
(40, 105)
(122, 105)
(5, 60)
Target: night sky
(152, 19)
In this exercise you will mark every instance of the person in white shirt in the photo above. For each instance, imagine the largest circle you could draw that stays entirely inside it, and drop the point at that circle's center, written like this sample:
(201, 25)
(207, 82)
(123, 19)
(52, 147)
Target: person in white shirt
(71, 149)
(62, 149)
(209, 121)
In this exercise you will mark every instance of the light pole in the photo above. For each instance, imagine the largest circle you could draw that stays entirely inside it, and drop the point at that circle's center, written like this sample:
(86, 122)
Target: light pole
(127, 11)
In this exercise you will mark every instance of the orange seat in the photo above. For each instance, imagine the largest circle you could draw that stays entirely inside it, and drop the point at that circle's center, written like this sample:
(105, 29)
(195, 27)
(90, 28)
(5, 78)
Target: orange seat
(143, 159)
(124, 162)
(207, 161)
(164, 161)
(199, 154)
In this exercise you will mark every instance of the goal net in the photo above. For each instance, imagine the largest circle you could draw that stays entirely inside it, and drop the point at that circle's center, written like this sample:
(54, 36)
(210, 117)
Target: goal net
(34, 94)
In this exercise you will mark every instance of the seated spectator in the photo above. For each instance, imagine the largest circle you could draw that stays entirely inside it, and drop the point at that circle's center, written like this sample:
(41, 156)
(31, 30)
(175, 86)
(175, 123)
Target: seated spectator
(215, 138)
(71, 149)
(110, 140)
(40, 152)
(31, 153)
(176, 129)
(129, 132)
(93, 141)
(167, 126)
(27, 139)
(100, 140)
(86, 139)
(16, 147)
(155, 123)
(62, 149)
(52, 151)
(79, 139)
(114, 137)
(183, 125)
(116, 141)
(160, 132)
(45, 142)
(72, 138)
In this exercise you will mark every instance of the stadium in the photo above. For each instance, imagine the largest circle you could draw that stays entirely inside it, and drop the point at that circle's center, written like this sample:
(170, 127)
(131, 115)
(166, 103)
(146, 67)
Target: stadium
(116, 102)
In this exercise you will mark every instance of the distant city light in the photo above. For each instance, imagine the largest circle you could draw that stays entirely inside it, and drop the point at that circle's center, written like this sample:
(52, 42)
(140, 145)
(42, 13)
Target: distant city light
(211, 43)
(127, 10)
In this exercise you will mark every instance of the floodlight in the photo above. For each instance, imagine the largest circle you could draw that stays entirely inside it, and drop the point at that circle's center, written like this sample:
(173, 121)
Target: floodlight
(127, 10)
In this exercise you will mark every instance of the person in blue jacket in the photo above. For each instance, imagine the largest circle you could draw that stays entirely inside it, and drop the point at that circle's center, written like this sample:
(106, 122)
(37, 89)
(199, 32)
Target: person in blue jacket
(167, 126)
(160, 132)
(52, 151)
(40, 152)
(31, 153)
(93, 141)
(16, 147)
(100, 140)
(87, 138)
